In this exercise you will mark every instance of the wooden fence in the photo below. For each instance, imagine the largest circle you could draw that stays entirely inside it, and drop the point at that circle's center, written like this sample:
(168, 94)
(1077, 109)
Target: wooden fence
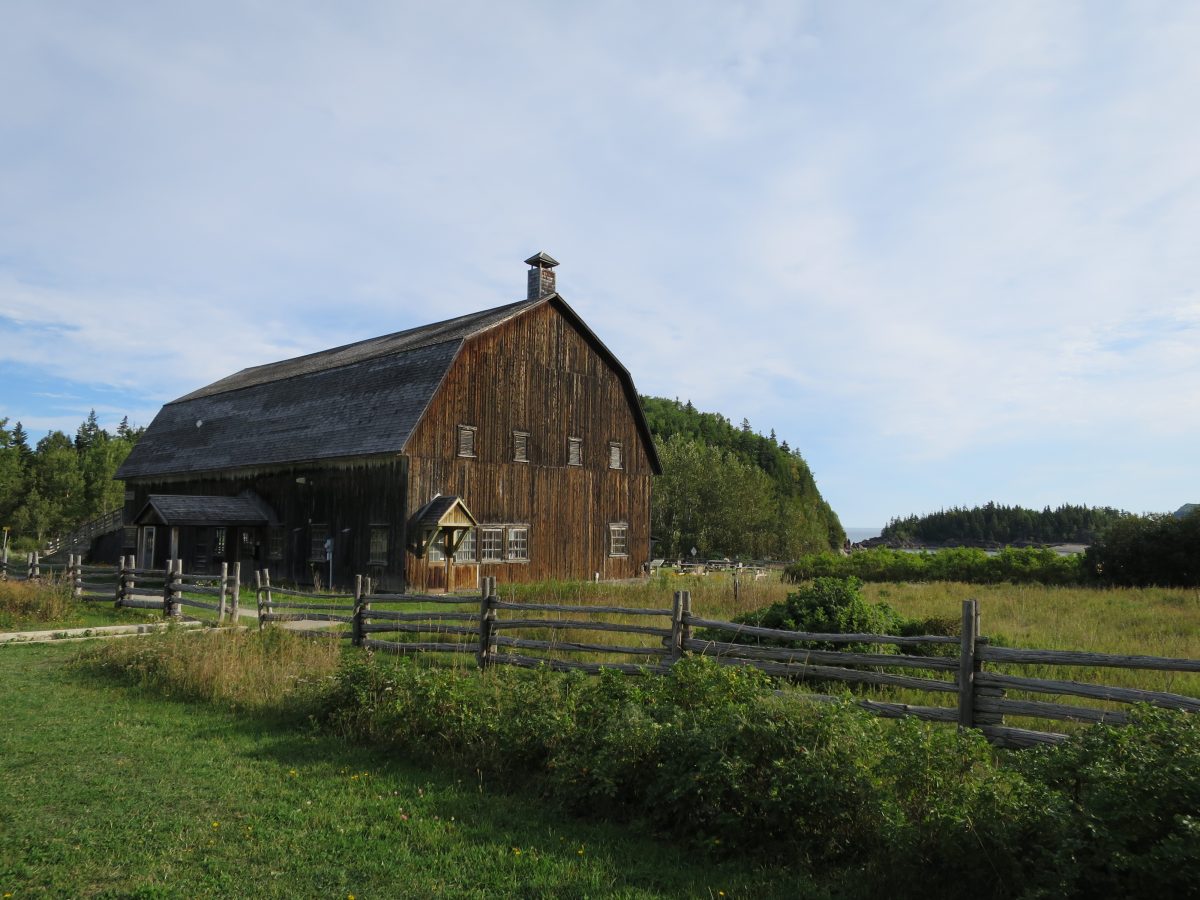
(498, 632)
(168, 589)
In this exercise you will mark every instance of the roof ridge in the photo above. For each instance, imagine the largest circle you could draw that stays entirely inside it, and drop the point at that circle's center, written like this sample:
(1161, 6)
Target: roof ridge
(441, 332)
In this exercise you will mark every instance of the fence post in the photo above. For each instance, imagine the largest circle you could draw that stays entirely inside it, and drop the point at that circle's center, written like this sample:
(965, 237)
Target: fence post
(356, 632)
(77, 577)
(4, 561)
(236, 615)
(224, 591)
(36, 572)
(167, 588)
(265, 605)
(176, 588)
(258, 596)
(736, 585)
(966, 664)
(486, 616)
(685, 630)
(29, 565)
(675, 641)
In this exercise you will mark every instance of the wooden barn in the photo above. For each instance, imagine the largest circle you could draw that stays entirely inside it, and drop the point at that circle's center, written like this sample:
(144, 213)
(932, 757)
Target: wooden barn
(507, 442)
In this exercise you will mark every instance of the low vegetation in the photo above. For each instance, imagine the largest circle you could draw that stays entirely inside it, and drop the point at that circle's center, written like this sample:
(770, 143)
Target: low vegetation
(41, 606)
(964, 564)
(713, 757)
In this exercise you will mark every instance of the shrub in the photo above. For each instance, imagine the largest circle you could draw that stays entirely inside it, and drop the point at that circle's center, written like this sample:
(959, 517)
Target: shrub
(826, 606)
(1018, 565)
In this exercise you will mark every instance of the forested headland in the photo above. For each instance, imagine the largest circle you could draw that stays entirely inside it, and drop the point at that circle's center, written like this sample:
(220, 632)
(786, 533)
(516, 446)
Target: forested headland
(994, 523)
(60, 482)
(730, 491)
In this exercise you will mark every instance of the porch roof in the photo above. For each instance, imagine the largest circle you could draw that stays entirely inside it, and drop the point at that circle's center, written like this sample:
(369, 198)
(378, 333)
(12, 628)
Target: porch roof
(186, 509)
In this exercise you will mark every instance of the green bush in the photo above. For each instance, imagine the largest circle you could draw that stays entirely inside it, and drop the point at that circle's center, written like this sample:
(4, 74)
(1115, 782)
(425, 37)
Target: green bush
(968, 564)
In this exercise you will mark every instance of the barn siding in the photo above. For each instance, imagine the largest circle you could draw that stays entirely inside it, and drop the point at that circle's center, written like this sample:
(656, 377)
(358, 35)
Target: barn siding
(538, 374)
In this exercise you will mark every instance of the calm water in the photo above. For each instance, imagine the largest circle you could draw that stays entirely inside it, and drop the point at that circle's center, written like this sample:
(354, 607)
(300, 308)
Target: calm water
(861, 534)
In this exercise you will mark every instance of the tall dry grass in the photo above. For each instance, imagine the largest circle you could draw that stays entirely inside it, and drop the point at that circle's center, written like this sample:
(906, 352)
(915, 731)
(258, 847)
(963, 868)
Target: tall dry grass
(31, 602)
(248, 670)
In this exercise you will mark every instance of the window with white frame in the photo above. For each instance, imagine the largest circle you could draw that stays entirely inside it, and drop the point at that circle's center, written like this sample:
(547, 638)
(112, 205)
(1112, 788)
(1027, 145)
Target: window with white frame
(219, 542)
(378, 553)
(614, 455)
(466, 548)
(574, 451)
(491, 544)
(618, 539)
(518, 543)
(466, 440)
(437, 549)
(520, 446)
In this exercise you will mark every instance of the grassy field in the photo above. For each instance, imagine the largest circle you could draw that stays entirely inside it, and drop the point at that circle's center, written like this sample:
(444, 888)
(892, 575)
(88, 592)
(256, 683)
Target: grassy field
(109, 791)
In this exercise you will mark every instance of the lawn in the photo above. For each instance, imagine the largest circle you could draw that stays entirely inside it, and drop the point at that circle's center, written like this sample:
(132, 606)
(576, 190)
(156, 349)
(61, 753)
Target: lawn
(112, 791)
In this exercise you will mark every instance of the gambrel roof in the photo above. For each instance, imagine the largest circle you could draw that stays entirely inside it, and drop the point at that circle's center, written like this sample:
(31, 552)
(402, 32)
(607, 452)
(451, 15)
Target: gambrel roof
(362, 399)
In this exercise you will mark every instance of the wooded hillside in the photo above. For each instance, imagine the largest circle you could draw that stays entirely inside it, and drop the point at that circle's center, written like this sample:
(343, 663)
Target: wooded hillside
(728, 491)
(1006, 524)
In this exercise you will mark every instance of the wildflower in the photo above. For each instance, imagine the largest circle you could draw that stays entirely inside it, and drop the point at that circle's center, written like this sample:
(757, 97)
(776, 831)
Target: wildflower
(580, 851)
(216, 824)
(516, 851)
(293, 773)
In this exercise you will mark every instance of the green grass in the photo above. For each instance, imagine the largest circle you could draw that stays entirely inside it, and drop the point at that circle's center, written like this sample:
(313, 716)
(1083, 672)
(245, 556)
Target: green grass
(112, 791)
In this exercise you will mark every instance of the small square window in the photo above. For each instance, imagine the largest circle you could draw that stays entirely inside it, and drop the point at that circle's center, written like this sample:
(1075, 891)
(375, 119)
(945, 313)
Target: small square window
(492, 544)
(614, 455)
(466, 440)
(574, 451)
(618, 539)
(518, 544)
(520, 446)
(466, 549)
(378, 555)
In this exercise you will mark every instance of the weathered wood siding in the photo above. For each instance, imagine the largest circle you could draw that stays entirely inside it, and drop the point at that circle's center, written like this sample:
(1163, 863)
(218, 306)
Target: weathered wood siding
(540, 375)
(346, 498)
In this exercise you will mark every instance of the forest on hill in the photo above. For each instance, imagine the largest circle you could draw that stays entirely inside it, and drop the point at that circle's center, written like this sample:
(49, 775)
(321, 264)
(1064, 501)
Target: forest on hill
(61, 481)
(994, 523)
(729, 491)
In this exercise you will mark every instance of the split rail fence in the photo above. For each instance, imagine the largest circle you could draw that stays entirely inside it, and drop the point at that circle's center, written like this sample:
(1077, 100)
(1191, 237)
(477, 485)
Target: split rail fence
(497, 632)
(167, 589)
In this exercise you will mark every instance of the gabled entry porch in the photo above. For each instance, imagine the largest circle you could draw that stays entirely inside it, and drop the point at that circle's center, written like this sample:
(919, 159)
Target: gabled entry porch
(203, 531)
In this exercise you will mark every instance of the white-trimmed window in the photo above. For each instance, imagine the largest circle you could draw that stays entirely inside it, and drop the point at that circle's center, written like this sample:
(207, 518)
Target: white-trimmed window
(520, 446)
(437, 549)
(466, 548)
(219, 542)
(574, 451)
(618, 539)
(615, 460)
(466, 440)
(518, 543)
(491, 544)
(378, 552)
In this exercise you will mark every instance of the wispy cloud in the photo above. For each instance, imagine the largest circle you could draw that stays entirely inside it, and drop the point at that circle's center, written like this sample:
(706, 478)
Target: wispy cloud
(926, 245)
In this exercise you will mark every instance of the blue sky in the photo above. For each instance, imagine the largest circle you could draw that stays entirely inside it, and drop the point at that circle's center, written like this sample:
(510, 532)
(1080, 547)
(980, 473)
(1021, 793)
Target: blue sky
(947, 250)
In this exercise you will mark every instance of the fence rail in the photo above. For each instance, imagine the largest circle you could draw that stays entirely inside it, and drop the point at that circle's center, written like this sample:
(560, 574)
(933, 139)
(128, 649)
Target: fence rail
(498, 632)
